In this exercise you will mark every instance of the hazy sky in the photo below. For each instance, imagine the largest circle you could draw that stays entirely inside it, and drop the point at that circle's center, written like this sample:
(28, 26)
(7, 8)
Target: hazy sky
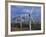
(18, 10)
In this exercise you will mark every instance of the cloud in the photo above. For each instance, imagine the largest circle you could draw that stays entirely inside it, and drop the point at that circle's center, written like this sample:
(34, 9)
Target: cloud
(26, 10)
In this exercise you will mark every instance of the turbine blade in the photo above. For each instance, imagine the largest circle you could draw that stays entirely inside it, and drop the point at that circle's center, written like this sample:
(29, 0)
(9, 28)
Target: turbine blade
(32, 10)
(32, 19)
(32, 16)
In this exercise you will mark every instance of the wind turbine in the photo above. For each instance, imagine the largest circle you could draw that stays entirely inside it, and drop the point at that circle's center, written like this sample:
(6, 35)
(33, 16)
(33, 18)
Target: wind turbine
(31, 18)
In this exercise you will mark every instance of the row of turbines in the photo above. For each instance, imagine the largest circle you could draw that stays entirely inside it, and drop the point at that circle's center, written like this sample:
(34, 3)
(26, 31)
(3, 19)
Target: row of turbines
(30, 18)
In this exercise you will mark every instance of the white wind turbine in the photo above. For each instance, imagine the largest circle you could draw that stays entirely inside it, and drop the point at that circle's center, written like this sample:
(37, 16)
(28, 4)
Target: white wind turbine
(31, 18)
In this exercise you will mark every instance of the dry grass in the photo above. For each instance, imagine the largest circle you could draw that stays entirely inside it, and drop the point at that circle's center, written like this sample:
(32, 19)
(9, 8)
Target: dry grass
(19, 29)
